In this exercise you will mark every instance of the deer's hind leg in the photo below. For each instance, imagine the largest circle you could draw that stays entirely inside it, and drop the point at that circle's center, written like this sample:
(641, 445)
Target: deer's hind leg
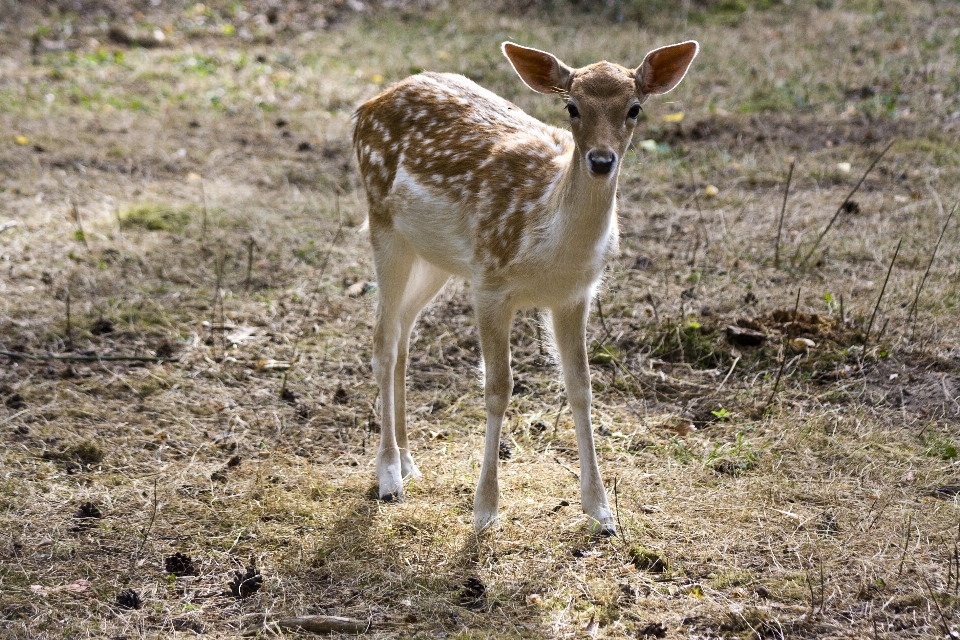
(424, 283)
(405, 283)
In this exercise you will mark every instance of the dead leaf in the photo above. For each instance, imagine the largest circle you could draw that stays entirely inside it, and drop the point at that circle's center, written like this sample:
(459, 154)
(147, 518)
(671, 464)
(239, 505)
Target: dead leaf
(683, 428)
(77, 586)
(801, 345)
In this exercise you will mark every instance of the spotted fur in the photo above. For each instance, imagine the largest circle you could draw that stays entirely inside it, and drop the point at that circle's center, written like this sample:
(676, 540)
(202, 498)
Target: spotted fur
(460, 181)
(471, 146)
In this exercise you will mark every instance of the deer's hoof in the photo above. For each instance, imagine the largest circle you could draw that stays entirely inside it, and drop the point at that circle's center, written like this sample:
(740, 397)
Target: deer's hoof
(391, 497)
(603, 527)
(487, 522)
(408, 468)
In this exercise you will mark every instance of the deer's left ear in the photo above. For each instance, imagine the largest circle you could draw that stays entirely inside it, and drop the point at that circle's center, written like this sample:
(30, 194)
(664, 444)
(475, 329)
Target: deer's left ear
(663, 69)
(539, 70)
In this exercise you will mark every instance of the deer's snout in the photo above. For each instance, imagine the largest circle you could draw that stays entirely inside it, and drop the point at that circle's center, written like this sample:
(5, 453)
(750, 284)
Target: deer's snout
(601, 161)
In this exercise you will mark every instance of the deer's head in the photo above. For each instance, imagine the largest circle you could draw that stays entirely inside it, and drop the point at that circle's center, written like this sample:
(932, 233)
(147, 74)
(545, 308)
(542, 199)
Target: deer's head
(603, 99)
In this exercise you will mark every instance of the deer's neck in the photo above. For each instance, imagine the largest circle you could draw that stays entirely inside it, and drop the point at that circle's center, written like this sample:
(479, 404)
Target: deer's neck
(585, 206)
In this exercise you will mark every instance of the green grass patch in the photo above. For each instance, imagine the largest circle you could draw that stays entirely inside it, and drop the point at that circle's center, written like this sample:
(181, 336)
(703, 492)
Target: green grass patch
(156, 217)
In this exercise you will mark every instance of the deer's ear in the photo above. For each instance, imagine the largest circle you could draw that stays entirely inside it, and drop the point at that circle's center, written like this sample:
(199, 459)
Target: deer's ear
(539, 70)
(663, 69)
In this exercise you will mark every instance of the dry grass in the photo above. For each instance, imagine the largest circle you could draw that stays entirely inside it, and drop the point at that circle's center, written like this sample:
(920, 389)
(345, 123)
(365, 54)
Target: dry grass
(827, 509)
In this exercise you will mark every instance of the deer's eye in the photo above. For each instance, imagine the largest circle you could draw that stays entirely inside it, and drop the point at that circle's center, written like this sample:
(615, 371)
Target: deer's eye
(572, 110)
(634, 112)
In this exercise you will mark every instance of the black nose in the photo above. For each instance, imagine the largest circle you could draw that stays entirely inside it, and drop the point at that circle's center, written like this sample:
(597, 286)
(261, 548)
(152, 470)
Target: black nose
(601, 162)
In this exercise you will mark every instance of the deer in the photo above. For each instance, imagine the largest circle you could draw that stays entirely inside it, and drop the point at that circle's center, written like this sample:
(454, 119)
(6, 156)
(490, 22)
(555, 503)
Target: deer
(462, 183)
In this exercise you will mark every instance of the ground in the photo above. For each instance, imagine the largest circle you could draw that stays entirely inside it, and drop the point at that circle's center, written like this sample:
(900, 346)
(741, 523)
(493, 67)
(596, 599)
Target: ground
(777, 424)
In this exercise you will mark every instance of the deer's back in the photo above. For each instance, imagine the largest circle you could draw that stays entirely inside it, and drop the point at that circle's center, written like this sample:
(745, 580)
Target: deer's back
(458, 142)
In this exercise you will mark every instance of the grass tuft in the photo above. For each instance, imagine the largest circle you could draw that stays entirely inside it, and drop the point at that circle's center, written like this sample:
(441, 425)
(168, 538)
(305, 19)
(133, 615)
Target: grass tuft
(156, 217)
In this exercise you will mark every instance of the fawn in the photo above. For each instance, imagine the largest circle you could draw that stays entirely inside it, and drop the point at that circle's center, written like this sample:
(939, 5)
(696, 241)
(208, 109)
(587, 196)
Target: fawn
(461, 182)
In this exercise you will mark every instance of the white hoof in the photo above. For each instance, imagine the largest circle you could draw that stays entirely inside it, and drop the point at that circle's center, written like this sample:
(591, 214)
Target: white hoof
(486, 522)
(389, 475)
(602, 523)
(486, 506)
(408, 468)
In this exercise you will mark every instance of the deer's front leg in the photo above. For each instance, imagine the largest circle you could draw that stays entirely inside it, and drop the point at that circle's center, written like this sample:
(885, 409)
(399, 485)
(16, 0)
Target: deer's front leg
(493, 319)
(569, 329)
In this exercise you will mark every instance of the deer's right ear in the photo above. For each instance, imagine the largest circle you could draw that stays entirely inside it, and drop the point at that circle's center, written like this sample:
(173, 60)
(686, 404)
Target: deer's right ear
(539, 70)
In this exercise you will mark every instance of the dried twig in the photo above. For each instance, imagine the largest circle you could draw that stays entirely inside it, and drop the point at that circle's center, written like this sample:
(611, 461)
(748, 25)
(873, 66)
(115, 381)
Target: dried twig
(729, 373)
(563, 403)
(703, 223)
(312, 624)
(783, 361)
(69, 324)
(219, 263)
(148, 528)
(933, 599)
(8, 225)
(603, 322)
(916, 298)
(571, 471)
(203, 228)
(783, 209)
(845, 201)
(616, 505)
(906, 543)
(75, 216)
(883, 289)
(251, 245)
(306, 310)
(78, 358)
